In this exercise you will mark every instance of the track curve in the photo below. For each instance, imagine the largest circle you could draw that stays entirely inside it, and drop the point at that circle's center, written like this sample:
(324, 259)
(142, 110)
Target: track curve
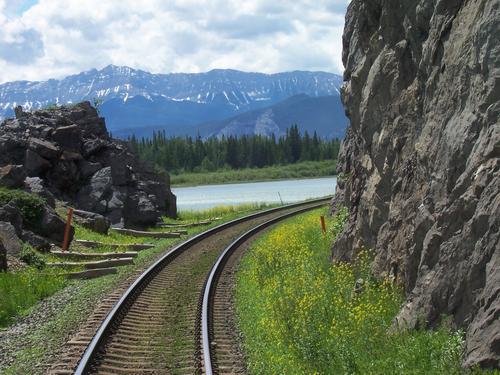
(153, 327)
(221, 352)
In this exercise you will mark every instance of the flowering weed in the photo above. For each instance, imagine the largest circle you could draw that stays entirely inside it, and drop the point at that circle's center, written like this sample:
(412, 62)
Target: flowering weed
(302, 314)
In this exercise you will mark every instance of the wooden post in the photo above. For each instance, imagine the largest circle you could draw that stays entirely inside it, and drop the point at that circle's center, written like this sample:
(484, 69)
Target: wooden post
(323, 225)
(66, 231)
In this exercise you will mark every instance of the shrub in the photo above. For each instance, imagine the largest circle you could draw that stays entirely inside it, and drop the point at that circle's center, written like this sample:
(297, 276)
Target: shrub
(32, 258)
(30, 205)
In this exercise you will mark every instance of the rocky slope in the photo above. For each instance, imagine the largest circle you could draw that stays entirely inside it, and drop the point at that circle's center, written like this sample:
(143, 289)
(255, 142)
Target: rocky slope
(421, 160)
(66, 154)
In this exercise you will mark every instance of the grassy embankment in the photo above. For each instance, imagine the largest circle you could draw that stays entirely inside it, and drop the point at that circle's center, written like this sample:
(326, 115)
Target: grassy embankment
(307, 169)
(301, 314)
(22, 290)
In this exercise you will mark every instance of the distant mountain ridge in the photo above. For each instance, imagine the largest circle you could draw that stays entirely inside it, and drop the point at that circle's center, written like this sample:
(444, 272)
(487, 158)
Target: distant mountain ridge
(313, 114)
(134, 99)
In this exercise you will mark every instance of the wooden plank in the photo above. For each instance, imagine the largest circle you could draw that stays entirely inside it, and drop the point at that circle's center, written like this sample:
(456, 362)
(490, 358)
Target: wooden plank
(91, 274)
(138, 233)
(66, 254)
(135, 246)
(188, 225)
(95, 264)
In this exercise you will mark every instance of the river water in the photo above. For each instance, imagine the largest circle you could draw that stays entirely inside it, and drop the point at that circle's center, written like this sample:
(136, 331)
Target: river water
(286, 191)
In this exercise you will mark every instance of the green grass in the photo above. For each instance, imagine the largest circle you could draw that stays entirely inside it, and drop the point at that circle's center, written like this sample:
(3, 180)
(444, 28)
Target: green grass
(306, 169)
(302, 314)
(218, 212)
(21, 290)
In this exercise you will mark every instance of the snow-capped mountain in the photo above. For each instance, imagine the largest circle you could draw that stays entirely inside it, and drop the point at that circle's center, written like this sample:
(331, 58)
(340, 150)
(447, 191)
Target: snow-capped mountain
(134, 98)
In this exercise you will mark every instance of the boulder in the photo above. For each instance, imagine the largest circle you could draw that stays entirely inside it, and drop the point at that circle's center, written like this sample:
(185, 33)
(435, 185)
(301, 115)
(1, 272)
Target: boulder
(45, 149)
(52, 226)
(87, 168)
(13, 149)
(65, 175)
(11, 214)
(140, 211)
(92, 221)
(35, 165)
(68, 138)
(10, 240)
(95, 195)
(35, 185)
(92, 147)
(12, 176)
(37, 242)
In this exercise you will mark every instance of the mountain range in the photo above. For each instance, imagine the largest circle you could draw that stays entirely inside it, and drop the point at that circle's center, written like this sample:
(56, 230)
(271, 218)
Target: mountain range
(212, 103)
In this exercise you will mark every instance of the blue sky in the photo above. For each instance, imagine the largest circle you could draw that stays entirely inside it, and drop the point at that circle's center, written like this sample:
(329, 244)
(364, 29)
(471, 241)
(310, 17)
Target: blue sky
(44, 39)
(25, 6)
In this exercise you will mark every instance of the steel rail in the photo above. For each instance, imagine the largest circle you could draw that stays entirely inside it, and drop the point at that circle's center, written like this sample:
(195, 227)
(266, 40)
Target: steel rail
(128, 296)
(217, 268)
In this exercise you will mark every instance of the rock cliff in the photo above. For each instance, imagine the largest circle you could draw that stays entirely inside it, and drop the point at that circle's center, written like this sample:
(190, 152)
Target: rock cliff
(66, 153)
(420, 165)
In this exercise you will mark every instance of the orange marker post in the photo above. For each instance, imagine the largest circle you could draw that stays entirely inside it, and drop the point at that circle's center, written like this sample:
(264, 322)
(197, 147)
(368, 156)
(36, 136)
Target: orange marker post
(323, 225)
(66, 231)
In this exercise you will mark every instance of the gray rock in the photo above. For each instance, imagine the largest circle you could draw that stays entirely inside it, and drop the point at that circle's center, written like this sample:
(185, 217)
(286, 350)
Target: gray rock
(68, 138)
(140, 210)
(35, 185)
(92, 221)
(422, 158)
(45, 149)
(12, 148)
(95, 195)
(11, 214)
(12, 176)
(52, 226)
(10, 240)
(37, 242)
(92, 147)
(35, 165)
(87, 169)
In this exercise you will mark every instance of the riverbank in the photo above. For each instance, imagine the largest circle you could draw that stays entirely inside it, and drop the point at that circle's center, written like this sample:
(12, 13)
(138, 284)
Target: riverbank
(308, 169)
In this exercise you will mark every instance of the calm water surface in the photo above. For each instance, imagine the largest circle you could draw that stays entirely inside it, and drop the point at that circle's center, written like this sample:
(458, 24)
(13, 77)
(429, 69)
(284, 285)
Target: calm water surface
(288, 191)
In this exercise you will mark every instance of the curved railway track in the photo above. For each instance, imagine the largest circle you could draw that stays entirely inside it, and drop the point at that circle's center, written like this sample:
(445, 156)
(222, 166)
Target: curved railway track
(157, 328)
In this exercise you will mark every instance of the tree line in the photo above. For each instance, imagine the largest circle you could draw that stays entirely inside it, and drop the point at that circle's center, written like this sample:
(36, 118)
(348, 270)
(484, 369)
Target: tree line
(187, 154)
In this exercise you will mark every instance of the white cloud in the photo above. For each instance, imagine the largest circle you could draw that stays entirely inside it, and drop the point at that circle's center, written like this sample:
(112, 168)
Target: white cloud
(55, 38)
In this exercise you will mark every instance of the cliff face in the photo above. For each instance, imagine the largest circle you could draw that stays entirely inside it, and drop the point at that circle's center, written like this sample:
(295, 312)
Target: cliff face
(420, 164)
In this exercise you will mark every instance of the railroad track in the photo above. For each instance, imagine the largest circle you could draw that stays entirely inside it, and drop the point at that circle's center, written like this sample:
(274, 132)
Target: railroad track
(174, 319)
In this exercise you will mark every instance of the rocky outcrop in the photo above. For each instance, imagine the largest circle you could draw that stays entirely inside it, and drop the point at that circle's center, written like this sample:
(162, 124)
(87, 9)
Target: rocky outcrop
(66, 153)
(420, 166)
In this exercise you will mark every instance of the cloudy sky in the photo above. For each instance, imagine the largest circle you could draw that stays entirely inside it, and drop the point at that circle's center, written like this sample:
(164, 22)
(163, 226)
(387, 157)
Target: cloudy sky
(43, 39)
